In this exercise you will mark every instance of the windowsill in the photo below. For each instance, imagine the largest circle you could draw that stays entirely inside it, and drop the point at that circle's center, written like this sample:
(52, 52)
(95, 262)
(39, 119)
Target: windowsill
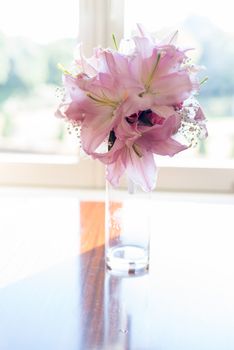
(27, 158)
(173, 162)
(60, 171)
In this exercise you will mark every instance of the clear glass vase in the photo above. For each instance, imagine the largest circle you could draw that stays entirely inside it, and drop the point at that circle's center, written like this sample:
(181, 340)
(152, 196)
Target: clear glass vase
(127, 236)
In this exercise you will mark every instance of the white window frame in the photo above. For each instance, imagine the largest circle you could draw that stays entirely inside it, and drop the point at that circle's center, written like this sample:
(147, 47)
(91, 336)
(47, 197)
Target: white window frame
(97, 20)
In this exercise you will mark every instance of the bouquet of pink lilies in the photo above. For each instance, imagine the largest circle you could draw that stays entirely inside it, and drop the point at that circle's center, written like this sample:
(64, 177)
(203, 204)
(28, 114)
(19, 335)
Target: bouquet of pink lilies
(138, 100)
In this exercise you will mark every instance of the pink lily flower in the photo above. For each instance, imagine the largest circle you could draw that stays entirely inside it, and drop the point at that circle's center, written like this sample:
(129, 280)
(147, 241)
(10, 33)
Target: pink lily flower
(136, 100)
(135, 154)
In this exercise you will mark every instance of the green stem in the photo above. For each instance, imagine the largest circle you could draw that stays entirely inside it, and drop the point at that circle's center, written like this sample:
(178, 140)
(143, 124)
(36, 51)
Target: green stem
(204, 80)
(115, 42)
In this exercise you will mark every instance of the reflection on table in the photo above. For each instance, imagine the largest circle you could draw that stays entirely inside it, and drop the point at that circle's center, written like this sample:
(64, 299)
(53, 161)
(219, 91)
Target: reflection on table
(56, 293)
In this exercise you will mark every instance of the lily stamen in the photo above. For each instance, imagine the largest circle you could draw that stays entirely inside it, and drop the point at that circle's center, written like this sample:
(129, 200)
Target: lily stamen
(136, 149)
(105, 102)
(147, 85)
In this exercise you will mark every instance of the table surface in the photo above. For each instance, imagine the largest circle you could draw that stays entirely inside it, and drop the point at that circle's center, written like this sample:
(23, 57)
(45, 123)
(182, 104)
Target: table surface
(55, 293)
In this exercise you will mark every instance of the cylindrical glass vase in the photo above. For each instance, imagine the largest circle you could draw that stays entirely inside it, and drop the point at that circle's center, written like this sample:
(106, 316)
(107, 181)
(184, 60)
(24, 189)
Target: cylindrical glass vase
(127, 236)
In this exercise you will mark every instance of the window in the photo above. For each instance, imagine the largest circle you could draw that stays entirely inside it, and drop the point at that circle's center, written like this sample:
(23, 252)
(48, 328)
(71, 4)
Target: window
(208, 27)
(34, 38)
(47, 34)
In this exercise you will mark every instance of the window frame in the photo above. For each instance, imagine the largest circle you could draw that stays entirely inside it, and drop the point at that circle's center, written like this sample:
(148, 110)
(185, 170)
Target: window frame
(72, 172)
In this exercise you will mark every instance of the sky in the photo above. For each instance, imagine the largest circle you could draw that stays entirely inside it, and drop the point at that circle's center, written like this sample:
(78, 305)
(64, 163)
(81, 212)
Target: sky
(46, 20)
(157, 14)
(40, 20)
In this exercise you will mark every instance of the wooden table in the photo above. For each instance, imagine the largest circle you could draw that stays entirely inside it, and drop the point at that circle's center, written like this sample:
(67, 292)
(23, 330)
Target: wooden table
(56, 294)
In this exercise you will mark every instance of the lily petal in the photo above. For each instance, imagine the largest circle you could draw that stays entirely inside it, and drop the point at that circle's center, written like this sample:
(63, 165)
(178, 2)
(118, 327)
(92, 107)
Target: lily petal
(158, 132)
(96, 128)
(115, 171)
(142, 170)
(172, 89)
(168, 147)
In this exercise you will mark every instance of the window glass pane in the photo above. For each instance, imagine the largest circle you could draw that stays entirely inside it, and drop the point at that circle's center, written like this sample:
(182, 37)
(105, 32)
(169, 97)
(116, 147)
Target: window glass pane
(208, 27)
(34, 37)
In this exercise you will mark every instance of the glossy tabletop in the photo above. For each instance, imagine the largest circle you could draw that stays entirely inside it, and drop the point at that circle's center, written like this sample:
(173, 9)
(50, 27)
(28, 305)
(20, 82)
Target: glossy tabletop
(55, 293)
